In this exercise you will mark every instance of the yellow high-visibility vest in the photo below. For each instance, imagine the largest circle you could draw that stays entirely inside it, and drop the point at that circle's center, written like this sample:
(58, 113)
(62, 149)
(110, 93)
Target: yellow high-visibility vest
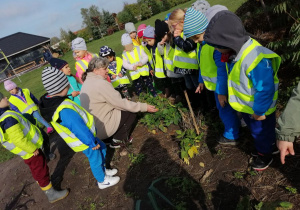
(158, 64)
(118, 80)
(83, 64)
(141, 71)
(72, 141)
(240, 88)
(168, 57)
(208, 67)
(25, 107)
(30, 131)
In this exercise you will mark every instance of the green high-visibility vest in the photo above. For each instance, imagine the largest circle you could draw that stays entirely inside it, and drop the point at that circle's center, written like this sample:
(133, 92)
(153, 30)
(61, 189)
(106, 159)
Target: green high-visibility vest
(168, 57)
(240, 88)
(30, 131)
(185, 60)
(118, 80)
(25, 107)
(208, 67)
(158, 64)
(141, 71)
(72, 141)
(83, 64)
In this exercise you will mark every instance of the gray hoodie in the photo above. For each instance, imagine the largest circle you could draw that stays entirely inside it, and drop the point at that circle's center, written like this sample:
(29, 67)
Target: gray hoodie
(226, 29)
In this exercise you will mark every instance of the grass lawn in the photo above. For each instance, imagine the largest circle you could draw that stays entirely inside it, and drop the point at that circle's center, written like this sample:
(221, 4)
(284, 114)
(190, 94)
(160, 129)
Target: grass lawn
(32, 80)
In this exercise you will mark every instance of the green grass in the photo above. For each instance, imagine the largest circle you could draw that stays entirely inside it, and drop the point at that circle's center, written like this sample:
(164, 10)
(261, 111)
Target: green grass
(32, 80)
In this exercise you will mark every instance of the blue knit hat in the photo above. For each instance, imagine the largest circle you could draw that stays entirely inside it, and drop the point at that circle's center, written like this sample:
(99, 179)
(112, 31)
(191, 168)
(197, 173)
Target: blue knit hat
(149, 32)
(194, 23)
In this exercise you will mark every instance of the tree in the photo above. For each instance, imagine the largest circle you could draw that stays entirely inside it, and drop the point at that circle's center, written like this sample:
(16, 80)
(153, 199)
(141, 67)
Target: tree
(54, 40)
(155, 7)
(71, 35)
(126, 16)
(64, 35)
(134, 9)
(145, 11)
(87, 23)
(166, 5)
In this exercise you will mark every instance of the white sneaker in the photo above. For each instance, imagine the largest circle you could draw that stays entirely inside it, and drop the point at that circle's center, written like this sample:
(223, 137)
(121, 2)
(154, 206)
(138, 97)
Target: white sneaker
(108, 182)
(111, 172)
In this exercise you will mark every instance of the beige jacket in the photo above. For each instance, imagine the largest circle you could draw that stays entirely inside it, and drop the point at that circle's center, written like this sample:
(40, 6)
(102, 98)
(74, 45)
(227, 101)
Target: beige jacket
(100, 99)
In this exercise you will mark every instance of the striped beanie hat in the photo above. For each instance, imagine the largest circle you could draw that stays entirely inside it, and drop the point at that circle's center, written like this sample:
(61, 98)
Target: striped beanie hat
(54, 80)
(194, 23)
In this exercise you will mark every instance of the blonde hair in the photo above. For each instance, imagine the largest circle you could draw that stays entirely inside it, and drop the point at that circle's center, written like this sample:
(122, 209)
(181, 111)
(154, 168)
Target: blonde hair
(176, 16)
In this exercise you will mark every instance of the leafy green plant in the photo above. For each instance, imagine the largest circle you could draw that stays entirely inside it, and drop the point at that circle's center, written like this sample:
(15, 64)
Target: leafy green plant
(239, 175)
(167, 113)
(291, 190)
(189, 141)
(136, 158)
(184, 184)
(74, 171)
(259, 206)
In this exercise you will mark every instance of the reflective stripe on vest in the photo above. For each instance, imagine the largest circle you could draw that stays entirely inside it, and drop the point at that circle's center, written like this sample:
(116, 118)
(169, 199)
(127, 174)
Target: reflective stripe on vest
(30, 131)
(141, 71)
(25, 107)
(185, 60)
(240, 88)
(118, 80)
(72, 141)
(168, 57)
(208, 67)
(149, 54)
(83, 64)
(158, 64)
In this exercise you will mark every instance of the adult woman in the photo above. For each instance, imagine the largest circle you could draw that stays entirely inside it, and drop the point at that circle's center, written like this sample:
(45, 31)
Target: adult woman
(114, 116)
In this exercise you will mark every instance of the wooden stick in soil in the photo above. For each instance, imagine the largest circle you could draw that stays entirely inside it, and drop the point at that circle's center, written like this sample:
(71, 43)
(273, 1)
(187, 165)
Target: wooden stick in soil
(192, 112)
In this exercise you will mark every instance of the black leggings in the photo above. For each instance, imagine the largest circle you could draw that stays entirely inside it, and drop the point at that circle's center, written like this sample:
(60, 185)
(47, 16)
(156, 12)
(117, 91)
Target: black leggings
(126, 126)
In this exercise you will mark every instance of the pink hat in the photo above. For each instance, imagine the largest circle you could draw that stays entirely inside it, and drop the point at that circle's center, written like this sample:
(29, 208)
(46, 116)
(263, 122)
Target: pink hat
(9, 85)
(140, 30)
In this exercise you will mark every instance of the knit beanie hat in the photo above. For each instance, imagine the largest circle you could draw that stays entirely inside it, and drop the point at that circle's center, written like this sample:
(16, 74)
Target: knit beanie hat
(105, 51)
(161, 29)
(194, 23)
(140, 30)
(149, 32)
(126, 39)
(57, 63)
(201, 6)
(54, 80)
(78, 44)
(210, 13)
(129, 27)
(1, 96)
(9, 85)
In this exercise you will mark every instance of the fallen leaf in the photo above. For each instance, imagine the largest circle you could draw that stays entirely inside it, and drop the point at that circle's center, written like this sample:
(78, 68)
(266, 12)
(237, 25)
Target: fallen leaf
(201, 164)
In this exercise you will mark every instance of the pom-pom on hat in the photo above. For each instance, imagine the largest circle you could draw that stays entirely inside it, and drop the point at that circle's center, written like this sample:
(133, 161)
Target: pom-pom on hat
(9, 85)
(149, 32)
(194, 23)
(126, 39)
(129, 27)
(201, 6)
(161, 29)
(78, 44)
(57, 63)
(54, 80)
(140, 30)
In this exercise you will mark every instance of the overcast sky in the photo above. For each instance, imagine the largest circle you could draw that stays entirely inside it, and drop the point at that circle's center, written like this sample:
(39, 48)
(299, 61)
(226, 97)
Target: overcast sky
(46, 17)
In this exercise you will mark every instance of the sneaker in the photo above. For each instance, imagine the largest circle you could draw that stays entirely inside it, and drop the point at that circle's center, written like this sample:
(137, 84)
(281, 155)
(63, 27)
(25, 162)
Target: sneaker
(108, 182)
(111, 172)
(226, 141)
(275, 151)
(50, 130)
(115, 143)
(261, 162)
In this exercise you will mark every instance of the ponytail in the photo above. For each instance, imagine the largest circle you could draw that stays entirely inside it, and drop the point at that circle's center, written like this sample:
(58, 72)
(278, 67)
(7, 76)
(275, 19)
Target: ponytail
(83, 76)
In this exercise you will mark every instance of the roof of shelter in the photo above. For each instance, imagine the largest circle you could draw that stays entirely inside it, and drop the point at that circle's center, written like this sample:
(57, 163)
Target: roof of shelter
(19, 42)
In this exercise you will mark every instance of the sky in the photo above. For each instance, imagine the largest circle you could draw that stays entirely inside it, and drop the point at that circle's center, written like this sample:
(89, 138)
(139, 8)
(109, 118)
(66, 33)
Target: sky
(46, 17)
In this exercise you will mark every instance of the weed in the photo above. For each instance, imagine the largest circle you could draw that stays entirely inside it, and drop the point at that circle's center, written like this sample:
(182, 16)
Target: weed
(291, 190)
(253, 173)
(74, 171)
(185, 185)
(136, 158)
(221, 154)
(259, 205)
(93, 206)
(180, 205)
(239, 175)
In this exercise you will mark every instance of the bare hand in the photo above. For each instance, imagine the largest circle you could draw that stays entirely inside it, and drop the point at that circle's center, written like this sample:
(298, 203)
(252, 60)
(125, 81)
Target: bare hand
(96, 147)
(199, 88)
(36, 152)
(114, 76)
(285, 148)
(134, 67)
(222, 100)
(177, 32)
(151, 108)
(139, 64)
(258, 117)
(75, 93)
(151, 72)
(120, 75)
(163, 40)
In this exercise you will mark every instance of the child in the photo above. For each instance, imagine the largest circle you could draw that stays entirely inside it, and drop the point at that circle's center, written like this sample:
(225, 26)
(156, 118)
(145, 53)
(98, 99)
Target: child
(156, 61)
(252, 80)
(22, 138)
(74, 82)
(140, 33)
(82, 56)
(166, 49)
(135, 60)
(130, 29)
(22, 101)
(116, 71)
(75, 125)
(213, 74)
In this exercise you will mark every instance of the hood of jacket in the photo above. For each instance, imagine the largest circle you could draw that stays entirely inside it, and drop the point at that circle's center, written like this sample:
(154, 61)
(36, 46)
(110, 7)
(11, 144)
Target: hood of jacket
(227, 30)
(49, 105)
